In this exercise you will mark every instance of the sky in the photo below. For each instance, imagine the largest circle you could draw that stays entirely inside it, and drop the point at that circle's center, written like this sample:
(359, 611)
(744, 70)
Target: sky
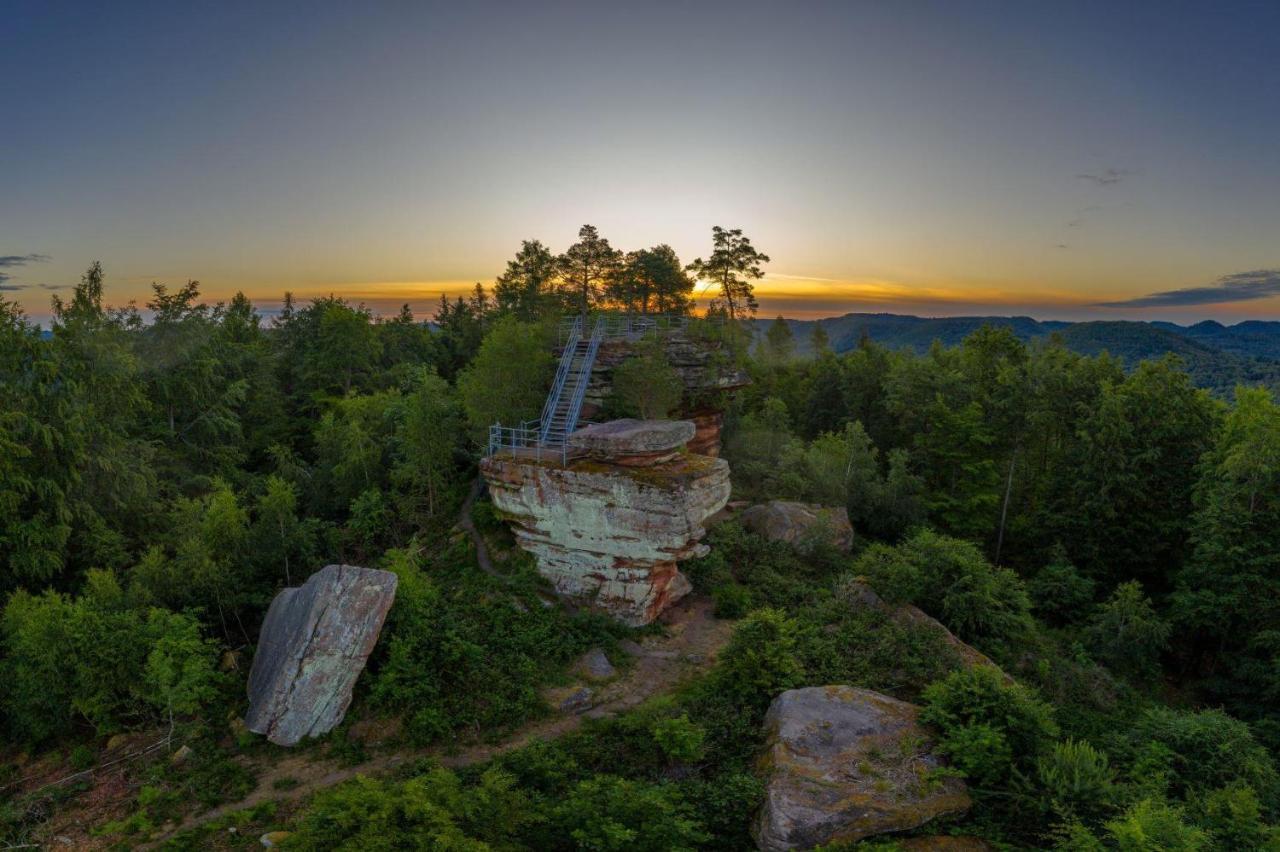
(1071, 160)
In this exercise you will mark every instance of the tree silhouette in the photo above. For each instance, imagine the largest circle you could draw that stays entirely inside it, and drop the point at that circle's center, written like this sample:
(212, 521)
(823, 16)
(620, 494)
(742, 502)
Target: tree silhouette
(734, 263)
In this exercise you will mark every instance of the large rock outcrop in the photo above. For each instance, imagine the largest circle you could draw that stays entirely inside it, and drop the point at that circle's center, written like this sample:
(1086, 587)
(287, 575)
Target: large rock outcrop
(796, 523)
(844, 764)
(313, 646)
(706, 371)
(608, 529)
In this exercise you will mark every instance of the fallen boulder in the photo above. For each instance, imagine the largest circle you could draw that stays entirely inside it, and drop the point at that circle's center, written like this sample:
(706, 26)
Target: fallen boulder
(800, 523)
(844, 764)
(313, 645)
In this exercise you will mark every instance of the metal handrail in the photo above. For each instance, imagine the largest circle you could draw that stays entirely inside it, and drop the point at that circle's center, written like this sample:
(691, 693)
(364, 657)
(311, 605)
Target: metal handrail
(584, 380)
(562, 372)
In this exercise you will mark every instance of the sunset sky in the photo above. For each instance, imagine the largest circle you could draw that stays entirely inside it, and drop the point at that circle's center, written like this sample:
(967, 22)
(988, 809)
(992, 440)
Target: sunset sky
(932, 158)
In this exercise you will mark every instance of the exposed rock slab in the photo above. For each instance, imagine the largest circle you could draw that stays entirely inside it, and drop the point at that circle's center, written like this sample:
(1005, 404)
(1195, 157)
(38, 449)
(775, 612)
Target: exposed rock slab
(610, 535)
(858, 593)
(633, 443)
(313, 645)
(795, 523)
(845, 764)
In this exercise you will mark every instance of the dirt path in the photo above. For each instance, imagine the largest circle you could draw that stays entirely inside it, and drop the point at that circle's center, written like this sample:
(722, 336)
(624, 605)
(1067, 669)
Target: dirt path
(469, 526)
(692, 640)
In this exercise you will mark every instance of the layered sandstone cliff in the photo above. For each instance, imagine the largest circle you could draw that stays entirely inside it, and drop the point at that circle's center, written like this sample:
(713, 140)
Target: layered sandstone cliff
(609, 527)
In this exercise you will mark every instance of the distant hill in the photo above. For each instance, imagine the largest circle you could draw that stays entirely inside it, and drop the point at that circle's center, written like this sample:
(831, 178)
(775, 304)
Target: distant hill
(1217, 356)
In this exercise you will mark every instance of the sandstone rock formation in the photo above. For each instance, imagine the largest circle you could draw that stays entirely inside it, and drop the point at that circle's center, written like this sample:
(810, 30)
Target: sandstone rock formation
(857, 593)
(313, 646)
(704, 369)
(847, 763)
(633, 443)
(608, 531)
(794, 523)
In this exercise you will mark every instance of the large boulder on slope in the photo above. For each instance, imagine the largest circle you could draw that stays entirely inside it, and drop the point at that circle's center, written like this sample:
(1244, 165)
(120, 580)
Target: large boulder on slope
(631, 442)
(846, 763)
(796, 523)
(313, 645)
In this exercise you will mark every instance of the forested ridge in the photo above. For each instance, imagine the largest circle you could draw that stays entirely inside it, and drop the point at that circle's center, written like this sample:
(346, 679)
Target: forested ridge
(1217, 356)
(1106, 532)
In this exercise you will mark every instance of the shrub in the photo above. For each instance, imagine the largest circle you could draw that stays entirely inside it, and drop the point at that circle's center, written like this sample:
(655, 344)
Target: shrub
(679, 738)
(1076, 778)
(646, 384)
(1204, 751)
(607, 813)
(1125, 632)
(1059, 592)
(988, 727)
(760, 660)
(431, 811)
(951, 580)
(1152, 825)
(1233, 818)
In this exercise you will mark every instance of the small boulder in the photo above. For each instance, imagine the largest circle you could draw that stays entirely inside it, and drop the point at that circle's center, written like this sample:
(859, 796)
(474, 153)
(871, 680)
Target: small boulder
(594, 665)
(313, 645)
(272, 839)
(573, 700)
(800, 523)
(180, 756)
(844, 764)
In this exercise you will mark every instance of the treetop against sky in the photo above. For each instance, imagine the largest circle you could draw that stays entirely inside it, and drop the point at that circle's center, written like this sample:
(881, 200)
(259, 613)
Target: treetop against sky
(1064, 160)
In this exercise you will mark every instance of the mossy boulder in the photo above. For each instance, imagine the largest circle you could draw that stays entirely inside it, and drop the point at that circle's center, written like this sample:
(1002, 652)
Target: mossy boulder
(844, 764)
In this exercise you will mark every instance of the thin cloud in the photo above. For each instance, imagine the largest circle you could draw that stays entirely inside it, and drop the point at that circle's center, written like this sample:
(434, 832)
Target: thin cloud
(11, 288)
(1240, 287)
(1106, 177)
(10, 260)
(54, 286)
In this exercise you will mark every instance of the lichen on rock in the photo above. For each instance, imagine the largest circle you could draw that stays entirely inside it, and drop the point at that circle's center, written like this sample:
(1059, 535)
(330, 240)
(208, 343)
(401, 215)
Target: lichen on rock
(844, 764)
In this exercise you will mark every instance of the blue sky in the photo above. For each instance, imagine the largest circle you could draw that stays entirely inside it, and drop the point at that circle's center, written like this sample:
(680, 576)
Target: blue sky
(1058, 159)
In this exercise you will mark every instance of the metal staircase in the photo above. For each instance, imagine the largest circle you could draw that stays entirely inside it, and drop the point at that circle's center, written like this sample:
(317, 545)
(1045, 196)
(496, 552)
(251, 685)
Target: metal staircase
(564, 402)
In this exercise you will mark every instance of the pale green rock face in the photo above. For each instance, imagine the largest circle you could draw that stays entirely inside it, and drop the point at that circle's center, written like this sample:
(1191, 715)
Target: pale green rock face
(611, 535)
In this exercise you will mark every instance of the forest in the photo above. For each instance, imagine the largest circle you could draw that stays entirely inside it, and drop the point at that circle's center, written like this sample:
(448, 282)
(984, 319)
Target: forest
(1106, 531)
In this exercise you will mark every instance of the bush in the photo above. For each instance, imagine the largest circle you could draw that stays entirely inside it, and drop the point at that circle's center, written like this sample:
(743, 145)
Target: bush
(1076, 778)
(1059, 592)
(988, 727)
(1199, 752)
(646, 384)
(461, 650)
(760, 660)
(951, 580)
(1152, 825)
(1126, 634)
(679, 738)
(432, 811)
(607, 813)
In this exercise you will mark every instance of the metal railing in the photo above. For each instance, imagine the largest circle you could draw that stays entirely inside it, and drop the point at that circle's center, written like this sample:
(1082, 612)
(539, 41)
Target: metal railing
(628, 326)
(562, 372)
(578, 392)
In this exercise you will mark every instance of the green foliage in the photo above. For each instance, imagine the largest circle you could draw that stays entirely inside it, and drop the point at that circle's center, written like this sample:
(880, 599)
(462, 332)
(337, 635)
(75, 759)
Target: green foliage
(679, 738)
(434, 810)
(1194, 753)
(611, 814)
(952, 580)
(509, 378)
(1126, 633)
(647, 385)
(1059, 592)
(1077, 779)
(988, 728)
(760, 660)
(93, 660)
(1155, 826)
(466, 652)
